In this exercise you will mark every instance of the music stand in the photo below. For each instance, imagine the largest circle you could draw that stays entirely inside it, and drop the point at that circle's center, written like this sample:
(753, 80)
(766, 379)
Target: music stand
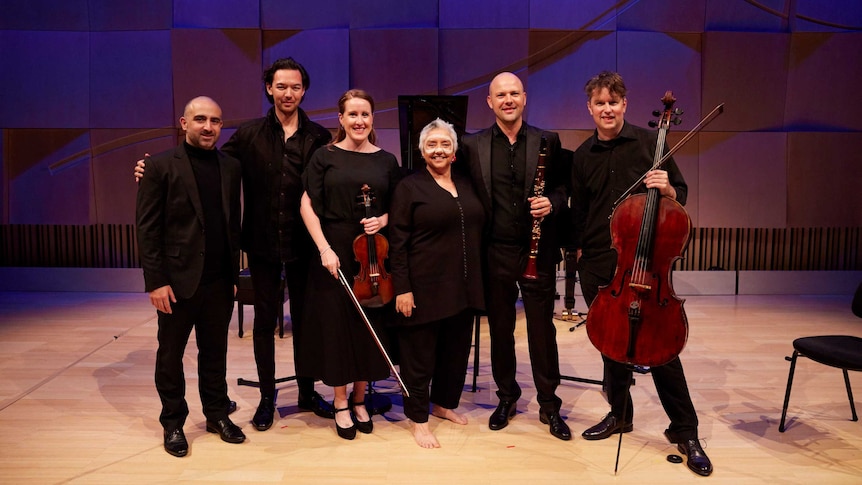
(414, 112)
(565, 231)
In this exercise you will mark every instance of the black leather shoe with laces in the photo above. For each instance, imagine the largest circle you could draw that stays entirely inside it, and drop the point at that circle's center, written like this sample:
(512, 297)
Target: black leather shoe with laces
(557, 426)
(228, 431)
(175, 442)
(697, 460)
(500, 417)
(263, 417)
(608, 426)
(316, 404)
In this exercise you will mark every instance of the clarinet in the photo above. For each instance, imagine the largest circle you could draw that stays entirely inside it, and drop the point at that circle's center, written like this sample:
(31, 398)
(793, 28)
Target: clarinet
(538, 190)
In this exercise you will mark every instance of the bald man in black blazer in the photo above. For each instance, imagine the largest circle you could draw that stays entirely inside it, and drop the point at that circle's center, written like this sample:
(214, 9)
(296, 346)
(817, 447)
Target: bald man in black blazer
(188, 222)
(503, 162)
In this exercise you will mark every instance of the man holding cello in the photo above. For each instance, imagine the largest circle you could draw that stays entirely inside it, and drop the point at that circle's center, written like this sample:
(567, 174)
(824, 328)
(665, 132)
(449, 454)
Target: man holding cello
(604, 167)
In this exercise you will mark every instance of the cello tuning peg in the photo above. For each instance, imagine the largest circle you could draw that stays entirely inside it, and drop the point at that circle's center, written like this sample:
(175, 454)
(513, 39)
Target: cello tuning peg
(652, 124)
(656, 113)
(677, 121)
(678, 111)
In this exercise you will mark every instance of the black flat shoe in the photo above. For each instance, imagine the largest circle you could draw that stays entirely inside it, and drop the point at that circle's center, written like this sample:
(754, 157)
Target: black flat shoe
(607, 427)
(263, 417)
(697, 461)
(559, 428)
(500, 417)
(228, 431)
(316, 404)
(175, 442)
(365, 427)
(346, 433)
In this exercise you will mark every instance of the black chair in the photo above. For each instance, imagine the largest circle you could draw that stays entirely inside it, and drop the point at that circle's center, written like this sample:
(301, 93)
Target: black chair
(840, 351)
(245, 296)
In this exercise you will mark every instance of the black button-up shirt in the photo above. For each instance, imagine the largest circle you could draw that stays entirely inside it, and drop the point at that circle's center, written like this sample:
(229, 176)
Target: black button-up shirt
(508, 164)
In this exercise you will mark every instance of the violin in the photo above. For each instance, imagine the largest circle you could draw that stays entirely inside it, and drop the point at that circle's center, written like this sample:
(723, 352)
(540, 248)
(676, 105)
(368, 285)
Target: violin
(637, 319)
(372, 285)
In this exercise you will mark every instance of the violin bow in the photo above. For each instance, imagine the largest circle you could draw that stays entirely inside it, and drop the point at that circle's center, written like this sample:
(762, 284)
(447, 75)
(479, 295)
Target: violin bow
(361, 311)
(705, 121)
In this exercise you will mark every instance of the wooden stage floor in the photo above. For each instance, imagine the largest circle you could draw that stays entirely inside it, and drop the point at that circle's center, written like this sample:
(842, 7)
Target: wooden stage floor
(78, 405)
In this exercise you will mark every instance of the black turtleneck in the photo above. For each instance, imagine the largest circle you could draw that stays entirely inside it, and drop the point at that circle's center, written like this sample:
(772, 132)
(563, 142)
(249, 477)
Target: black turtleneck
(208, 177)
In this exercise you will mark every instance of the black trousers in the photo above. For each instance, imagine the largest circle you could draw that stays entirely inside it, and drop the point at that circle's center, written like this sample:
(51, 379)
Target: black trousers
(268, 297)
(435, 354)
(208, 311)
(669, 379)
(506, 264)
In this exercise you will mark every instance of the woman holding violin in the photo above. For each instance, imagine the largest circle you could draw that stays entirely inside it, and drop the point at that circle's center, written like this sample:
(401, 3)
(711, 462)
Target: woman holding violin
(605, 166)
(335, 344)
(435, 230)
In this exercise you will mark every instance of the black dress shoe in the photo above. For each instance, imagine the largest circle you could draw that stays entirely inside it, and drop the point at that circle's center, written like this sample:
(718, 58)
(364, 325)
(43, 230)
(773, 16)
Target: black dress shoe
(263, 417)
(231, 407)
(316, 404)
(175, 442)
(227, 430)
(365, 427)
(607, 427)
(558, 427)
(347, 433)
(697, 461)
(500, 417)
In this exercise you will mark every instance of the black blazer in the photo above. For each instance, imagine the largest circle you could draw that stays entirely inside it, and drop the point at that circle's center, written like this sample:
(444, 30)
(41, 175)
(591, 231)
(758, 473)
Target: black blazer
(170, 221)
(476, 151)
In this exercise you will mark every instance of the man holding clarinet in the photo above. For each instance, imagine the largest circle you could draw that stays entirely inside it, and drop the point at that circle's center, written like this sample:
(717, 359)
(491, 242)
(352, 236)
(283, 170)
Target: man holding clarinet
(503, 161)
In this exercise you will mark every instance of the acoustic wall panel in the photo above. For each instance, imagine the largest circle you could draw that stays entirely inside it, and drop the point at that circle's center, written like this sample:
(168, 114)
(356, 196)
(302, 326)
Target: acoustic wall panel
(114, 155)
(390, 62)
(485, 14)
(827, 16)
(209, 14)
(661, 15)
(824, 174)
(231, 78)
(748, 72)
(467, 65)
(687, 158)
(131, 14)
(70, 15)
(300, 15)
(569, 15)
(392, 14)
(45, 81)
(652, 63)
(745, 15)
(328, 74)
(822, 82)
(742, 180)
(131, 91)
(49, 176)
(561, 62)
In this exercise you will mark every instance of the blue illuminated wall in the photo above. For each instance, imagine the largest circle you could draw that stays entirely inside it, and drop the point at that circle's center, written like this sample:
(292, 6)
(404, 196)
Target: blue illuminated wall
(88, 86)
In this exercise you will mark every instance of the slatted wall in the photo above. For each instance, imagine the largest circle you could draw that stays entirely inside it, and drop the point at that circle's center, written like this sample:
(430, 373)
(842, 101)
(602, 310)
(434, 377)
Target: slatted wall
(733, 249)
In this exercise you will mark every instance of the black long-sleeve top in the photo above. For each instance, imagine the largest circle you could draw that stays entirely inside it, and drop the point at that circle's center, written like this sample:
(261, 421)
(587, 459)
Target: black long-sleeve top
(435, 246)
(601, 172)
(272, 185)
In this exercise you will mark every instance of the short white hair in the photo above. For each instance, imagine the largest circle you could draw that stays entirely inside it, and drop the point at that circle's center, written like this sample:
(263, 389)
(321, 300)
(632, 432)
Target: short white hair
(441, 125)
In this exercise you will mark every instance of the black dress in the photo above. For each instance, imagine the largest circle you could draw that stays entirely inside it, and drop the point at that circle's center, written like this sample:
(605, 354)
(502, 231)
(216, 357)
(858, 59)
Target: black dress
(334, 345)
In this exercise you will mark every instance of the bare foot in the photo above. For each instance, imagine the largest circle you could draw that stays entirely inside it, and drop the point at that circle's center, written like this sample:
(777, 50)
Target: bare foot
(423, 436)
(449, 414)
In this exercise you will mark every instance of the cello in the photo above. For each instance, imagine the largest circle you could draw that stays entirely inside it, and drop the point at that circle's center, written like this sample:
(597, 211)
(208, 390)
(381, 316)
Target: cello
(637, 319)
(372, 285)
